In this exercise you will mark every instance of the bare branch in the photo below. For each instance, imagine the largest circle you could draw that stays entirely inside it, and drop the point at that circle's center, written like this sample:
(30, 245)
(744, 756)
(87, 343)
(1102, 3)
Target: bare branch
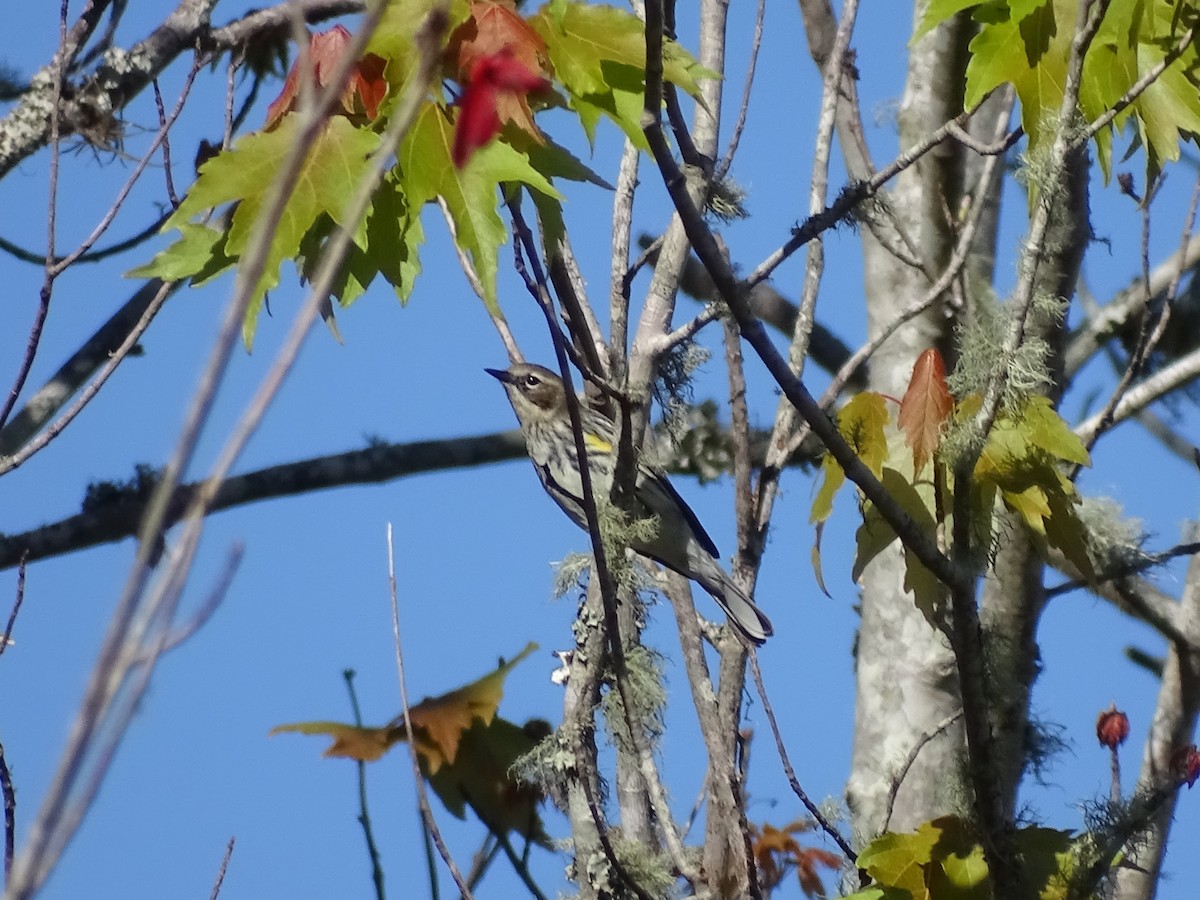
(216, 888)
(26, 128)
(427, 816)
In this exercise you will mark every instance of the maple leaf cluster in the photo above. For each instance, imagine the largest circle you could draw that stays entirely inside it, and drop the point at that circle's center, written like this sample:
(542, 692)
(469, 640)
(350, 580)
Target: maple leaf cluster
(496, 57)
(474, 131)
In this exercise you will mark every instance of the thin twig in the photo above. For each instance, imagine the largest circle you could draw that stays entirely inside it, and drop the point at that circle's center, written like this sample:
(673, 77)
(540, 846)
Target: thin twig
(92, 256)
(224, 867)
(6, 641)
(850, 196)
(520, 866)
(1147, 340)
(482, 859)
(9, 794)
(422, 795)
(364, 816)
(898, 779)
(160, 138)
(168, 176)
(216, 596)
(813, 810)
(43, 310)
(744, 108)
(8, 463)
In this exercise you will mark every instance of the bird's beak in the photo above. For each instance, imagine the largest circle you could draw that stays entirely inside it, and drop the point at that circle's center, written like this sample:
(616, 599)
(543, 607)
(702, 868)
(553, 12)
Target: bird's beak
(501, 375)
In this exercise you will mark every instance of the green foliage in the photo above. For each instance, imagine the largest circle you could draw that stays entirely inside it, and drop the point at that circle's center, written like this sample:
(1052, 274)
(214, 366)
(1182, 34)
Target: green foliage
(469, 193)
(595, 53)
(244, 175)
(1027, 43)
(1022, 463)
(943, 860)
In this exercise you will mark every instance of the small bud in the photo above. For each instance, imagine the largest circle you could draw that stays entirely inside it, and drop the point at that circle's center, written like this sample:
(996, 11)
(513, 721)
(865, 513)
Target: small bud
(1185, 762)
(1112, 727)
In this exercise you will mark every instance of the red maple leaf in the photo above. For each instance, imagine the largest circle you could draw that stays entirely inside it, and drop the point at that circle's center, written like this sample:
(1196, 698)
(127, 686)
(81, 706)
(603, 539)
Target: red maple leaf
(364, 91)
(493, 79)
(495, 26)
(926, 405)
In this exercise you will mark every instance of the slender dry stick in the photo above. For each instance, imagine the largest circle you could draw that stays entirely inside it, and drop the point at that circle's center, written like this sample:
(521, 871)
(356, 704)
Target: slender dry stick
(37, 857)
(6, 640)
(744, 108)
(168, 176)
(179, 636)
(7, 464)
(422, 795)
(43, 310)
(9, 795)
(435, 889)
(160, 138)
(520, 866)
(482, 859)
(851, 195)
(1153, 388)
(793, 781)
(1103, 322)
(898, 779)
(92, 256)
(364, 816)
(224, 867)
(1147, 341)
(620, 274)
(148, 642)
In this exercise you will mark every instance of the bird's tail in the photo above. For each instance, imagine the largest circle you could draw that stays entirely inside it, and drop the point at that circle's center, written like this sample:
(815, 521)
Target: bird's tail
(745, 616)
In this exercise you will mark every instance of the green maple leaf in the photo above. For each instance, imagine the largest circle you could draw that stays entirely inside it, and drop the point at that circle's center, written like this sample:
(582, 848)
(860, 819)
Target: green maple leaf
(1047, 429)
(245, 174)
(199, 249)
(899, 860)
(1027, 43)
(426, 172)
(599, 56)
(393, 39)
(861, 422)
(386, 244)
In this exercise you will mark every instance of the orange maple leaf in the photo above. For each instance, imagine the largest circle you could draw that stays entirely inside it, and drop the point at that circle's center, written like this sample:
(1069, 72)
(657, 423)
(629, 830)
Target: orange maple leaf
(364, 91)
(926, 405)
(775, 849)
(495, 27)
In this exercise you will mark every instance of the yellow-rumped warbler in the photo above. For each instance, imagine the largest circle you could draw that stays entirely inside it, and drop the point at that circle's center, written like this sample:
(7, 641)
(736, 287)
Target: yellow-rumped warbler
(681, 543)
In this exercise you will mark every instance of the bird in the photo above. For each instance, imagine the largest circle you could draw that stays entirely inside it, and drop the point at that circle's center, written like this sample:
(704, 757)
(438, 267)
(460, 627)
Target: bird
(539, 399)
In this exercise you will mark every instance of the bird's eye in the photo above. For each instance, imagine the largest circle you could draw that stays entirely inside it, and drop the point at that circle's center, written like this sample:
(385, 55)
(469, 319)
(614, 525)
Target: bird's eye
(532, 381)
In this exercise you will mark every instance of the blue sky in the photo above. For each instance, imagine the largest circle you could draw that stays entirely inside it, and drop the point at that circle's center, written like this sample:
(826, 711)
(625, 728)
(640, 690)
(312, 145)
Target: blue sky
(474, 548)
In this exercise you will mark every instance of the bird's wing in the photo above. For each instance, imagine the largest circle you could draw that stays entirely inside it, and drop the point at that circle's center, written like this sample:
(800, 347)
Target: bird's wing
(659, 491)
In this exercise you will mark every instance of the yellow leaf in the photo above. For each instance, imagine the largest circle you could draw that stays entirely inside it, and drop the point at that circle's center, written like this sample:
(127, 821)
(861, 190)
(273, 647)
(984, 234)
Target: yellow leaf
(442, 720)
(365, 744)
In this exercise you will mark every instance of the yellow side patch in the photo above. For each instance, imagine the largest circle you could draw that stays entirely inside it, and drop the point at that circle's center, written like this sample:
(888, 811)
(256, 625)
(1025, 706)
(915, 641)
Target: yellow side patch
(597, 443)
